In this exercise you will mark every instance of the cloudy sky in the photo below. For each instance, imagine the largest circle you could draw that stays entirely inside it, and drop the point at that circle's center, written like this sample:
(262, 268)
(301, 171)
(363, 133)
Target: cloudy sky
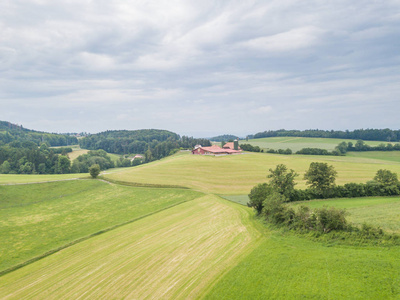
(200, 68)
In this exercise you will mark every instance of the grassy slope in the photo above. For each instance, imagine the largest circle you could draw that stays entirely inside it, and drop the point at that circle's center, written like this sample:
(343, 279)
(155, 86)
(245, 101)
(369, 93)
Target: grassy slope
(297, 143)
(378, 211)
(392, 156)
(174, 254)
(21, 179)
(290, 267)
(237, 174)
(37, 218)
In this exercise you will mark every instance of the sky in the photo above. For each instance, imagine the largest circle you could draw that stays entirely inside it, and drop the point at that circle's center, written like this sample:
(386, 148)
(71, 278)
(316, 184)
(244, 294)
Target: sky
(200, 68)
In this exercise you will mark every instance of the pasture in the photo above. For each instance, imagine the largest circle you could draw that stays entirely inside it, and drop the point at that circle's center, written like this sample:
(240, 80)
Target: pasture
(38, 218)
(237, 174)
(297, 143)
(178, 253)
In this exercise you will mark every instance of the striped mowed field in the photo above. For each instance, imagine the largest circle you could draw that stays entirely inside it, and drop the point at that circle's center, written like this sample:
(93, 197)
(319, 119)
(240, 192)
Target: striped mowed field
(238, 174)
(178, 253)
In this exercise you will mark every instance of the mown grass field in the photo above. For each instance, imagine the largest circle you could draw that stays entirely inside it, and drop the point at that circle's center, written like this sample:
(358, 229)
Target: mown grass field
(392, 156)
(378, 211)
(290, 267)
(77, 152)
(31, 178)
(297, 143)
(178, 253)
(37, 218)
(237, 174)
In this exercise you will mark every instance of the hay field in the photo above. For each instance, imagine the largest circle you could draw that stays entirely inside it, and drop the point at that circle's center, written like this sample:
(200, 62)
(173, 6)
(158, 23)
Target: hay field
(38, 218)
(297, 143)
(391, 156)
(178, 253)
(237, 174)
(77, 152)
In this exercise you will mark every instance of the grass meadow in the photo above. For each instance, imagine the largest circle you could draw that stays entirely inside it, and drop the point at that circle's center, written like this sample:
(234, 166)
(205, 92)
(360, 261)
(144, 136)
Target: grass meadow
(178, 253)
(33, 178)
(37, 218)
(237, 174)
(298, 143)
(290, 267)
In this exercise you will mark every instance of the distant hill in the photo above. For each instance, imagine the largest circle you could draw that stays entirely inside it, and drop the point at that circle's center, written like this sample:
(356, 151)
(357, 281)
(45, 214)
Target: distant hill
(224, 137)
(155, 143)
(7, 126)
(10, 132)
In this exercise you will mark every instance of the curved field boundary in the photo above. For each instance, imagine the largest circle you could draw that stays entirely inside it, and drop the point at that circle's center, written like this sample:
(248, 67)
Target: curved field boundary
(175, 254)
(37, 258)
(137, 184)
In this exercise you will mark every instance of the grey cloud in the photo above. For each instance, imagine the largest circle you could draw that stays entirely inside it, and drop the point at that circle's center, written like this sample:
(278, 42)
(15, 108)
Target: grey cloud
(259, 65)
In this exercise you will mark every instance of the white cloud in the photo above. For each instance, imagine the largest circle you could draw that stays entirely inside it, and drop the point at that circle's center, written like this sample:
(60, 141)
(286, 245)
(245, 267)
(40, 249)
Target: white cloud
(294, 39)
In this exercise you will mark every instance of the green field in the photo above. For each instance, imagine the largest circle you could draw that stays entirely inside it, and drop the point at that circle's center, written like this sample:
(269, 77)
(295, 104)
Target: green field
(175, 254)
(289, 267)
(37, 218)
(297, 143)
(392, 156)
(23, 179)
(188, 243)
(237, 174)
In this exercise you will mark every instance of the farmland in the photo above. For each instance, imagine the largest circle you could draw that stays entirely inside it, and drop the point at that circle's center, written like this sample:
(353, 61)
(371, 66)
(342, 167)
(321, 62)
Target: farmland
(237, 174)
(120, 241)
(33, 222)
(177, 253)
(297, 143)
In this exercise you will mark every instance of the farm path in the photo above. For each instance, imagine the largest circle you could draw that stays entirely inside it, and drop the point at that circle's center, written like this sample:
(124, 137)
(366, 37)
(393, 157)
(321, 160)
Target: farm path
(177, 254)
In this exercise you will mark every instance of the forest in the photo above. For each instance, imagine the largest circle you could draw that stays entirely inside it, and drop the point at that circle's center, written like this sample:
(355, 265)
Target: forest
(386, 135)
(155, 144)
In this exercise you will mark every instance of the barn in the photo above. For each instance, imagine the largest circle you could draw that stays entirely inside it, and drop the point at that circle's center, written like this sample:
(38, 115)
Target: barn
(213, 150)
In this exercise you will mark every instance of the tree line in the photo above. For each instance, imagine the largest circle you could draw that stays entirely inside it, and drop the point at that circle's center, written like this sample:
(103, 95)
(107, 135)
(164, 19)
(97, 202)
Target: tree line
(358, 134)
(154, 144)
(14, 133)
(270, 199)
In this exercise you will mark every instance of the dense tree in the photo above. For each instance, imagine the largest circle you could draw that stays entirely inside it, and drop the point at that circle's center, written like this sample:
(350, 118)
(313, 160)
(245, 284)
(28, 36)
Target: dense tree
(63, 165)
(257, 196)
(359, 134)
(386, 177)
(282, 180)
(320, 176)
(94, 170)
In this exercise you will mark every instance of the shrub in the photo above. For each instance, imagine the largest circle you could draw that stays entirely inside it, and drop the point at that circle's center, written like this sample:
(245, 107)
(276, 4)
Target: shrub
(94, 170)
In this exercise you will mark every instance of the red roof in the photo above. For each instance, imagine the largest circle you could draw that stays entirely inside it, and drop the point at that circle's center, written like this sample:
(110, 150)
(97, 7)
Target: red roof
(216, 149)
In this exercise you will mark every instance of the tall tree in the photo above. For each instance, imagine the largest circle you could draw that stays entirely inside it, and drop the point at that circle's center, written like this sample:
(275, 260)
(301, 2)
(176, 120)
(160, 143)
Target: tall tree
(320, 176)
(282, 180)
(386, 177)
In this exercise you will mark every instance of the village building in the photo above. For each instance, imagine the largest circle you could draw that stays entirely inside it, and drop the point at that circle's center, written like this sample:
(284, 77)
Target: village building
(213, 150)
